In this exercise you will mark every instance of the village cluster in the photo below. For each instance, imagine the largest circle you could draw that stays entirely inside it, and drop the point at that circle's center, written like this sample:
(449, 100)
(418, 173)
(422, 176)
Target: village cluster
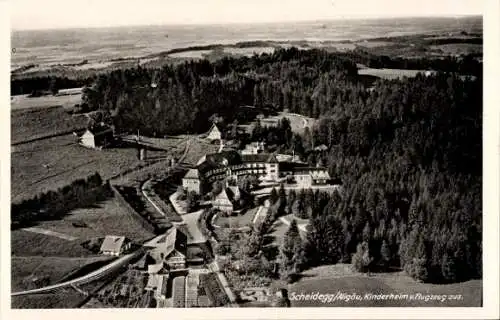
(166, 262)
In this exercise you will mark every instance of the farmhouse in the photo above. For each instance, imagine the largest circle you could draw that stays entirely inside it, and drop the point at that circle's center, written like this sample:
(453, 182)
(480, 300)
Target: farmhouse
(97, 137)
(228, 199)
(114, 245)
(168, 250)
(232, 164)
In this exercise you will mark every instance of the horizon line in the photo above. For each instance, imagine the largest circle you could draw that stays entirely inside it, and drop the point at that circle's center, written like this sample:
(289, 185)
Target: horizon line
(352, 18)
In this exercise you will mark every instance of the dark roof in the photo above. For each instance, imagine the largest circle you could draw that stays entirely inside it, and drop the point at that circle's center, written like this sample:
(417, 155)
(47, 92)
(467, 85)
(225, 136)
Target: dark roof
(219, 160)
(165, 244)
(231, 193)
(100, 129)
(292, 166)
(232, 157)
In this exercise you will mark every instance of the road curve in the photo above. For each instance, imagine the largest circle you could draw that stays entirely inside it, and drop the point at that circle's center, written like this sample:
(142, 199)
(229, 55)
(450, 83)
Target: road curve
(94, 275)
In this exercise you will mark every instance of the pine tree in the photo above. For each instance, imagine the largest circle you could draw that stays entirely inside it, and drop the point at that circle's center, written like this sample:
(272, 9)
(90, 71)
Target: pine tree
(420, 263)
(362, 260)
(273, 197)
(385, 254)
(291, 253)
(299, 208)
(448, 268)
(367, 233)
(324, 241)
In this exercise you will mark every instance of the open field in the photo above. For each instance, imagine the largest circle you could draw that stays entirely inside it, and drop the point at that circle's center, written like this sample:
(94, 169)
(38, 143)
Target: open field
(25, 243)
(104, 218)
(194, 54)
(171, 142)
(298, 122)
(175, 147)
(44, 255)
(336, 278)
(390, 73)
(42, 122)
(50, 233)
(54, 268)
(64, 298)
(65, 100)
(455, 49)
(373, 43)
(55, 162)
(249, 51)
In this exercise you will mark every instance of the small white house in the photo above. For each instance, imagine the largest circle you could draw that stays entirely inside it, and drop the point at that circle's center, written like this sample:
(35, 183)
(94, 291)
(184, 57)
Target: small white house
(97, 137)
(115, 245)
(191, 181)
(214, 133)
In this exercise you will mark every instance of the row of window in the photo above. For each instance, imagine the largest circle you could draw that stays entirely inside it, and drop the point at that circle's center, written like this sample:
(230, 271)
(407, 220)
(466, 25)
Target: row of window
(221, 175)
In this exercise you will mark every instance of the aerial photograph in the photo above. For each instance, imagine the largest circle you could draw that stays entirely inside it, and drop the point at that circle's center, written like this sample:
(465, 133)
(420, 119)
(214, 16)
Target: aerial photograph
(246, 154)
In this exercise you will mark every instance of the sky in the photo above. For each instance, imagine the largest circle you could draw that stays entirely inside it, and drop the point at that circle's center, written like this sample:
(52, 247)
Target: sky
(49, 14)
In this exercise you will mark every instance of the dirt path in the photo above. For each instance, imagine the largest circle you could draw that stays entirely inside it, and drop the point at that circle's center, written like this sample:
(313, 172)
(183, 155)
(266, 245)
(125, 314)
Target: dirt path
(50, 233)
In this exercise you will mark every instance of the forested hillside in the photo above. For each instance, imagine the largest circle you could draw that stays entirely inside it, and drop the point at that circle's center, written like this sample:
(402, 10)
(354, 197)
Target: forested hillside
(409, 156)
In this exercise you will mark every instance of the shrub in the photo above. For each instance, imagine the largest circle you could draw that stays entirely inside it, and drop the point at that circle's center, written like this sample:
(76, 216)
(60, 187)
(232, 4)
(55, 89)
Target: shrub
(361, 260)
(213, 289)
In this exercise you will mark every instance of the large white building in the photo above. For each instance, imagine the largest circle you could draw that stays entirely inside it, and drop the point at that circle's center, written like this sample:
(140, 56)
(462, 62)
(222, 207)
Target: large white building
(226, 164)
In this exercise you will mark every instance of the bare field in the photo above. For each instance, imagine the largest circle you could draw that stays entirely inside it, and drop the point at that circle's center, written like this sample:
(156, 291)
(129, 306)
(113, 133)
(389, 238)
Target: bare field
(41, 122)
(390, 73)
(23, 101)
(55, 162)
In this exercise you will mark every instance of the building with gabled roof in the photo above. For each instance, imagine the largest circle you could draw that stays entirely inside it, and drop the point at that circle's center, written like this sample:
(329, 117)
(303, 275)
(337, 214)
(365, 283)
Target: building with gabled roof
(97, 137)
(228, 199)
(114, 245)
(192, 181)
(169, 249)
(214, 133)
